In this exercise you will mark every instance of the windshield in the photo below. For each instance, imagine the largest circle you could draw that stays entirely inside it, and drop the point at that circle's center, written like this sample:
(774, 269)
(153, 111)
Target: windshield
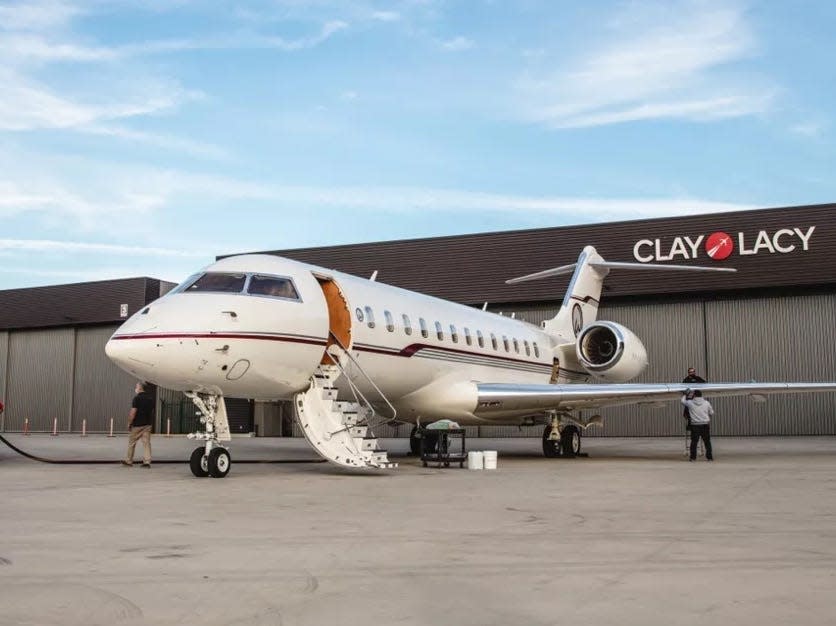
(214, 282)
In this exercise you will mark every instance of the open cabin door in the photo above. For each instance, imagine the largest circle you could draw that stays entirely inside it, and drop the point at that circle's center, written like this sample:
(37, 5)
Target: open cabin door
(339, 316)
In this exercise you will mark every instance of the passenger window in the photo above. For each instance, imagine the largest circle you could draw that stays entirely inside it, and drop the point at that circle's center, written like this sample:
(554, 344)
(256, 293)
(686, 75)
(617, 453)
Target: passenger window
(453, 334)
(423, 324)
(270, 286)
(516, 346)
(390, 322)
(407, 325)
(536, 350)
(369, 317)
(505, 343)
(480, 339)
(527, 348)
(439, 332)
(467, 338)
(218, 283)
(493, 342)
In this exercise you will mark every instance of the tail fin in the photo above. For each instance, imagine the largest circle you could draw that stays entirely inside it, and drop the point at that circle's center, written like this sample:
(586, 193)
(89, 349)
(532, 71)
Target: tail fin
(580, 304)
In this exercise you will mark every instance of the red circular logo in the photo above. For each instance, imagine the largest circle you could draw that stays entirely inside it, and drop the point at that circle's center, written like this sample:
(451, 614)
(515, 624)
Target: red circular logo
(719, 246)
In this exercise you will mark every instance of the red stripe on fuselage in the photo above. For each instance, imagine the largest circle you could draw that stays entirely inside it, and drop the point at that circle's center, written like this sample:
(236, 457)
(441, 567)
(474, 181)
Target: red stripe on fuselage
(317, 341)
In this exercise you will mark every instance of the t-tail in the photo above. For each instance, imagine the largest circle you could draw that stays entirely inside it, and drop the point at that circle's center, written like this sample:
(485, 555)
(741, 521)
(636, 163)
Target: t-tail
(580, 304)
(583, 346)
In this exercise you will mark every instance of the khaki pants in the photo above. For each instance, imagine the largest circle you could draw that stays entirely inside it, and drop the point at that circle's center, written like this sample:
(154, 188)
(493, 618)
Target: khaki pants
(137, 433)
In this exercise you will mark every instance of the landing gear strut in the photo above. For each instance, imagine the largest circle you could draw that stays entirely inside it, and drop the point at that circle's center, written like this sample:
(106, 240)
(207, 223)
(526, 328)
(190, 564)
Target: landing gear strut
(212, 458)
(561, 439)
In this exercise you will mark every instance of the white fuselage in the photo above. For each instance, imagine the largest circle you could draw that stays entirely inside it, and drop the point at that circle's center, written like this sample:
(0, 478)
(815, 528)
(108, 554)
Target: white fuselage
(424, 354)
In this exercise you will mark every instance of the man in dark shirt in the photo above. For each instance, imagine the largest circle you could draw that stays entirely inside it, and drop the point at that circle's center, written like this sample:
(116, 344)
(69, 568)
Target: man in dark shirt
(139, 423)
(690, 379)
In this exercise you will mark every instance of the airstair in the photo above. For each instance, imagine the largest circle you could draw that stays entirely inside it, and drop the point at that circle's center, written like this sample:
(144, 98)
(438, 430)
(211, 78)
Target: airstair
(340, 431)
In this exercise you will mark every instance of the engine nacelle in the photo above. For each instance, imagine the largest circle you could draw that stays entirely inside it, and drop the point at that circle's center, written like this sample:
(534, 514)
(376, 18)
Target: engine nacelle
(611, 352)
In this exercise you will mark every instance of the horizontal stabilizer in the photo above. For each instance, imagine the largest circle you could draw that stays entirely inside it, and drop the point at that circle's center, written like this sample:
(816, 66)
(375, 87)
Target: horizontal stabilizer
(658, 266)
(555, 271)
(613, 265)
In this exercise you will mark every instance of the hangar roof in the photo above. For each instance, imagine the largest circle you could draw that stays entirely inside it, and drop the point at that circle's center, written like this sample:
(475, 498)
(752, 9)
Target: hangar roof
(78, 303)
(472, 268)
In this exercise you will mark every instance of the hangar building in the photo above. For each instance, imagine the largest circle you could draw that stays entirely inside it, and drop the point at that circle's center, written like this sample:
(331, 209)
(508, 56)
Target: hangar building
(774, 320)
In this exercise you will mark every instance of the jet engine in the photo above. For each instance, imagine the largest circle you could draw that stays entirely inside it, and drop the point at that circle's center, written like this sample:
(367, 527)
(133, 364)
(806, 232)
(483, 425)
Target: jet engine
(611, 352)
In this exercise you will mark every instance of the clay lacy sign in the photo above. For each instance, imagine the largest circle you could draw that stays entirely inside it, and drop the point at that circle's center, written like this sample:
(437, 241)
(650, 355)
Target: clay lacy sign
(720, 245)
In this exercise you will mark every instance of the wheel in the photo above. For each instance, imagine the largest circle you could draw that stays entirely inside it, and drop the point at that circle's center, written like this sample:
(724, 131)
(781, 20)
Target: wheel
(570, 441)
(414, 442)
(219, 462)
(199, 463)
(551, 447)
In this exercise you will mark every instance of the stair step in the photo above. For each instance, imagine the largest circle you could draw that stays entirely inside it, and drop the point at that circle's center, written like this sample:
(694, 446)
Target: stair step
(351, 419)
(329, 393)
(368, 444)
(358, 431)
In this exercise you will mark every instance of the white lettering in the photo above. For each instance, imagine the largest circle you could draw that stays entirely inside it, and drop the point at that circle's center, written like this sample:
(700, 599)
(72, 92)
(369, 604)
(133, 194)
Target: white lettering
(805, 237)
(776, 241)
(678, 249)
(644, 243)
(694, 245)
(741, 239)
(763, 243)
(659, 256)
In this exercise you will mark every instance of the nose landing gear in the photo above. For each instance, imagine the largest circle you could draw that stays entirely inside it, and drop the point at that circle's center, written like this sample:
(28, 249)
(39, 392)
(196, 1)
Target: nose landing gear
(212, 458)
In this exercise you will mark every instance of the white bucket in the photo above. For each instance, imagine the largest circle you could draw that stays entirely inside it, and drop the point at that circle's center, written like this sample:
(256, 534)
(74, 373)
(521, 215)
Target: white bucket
(489, 459)
(475, 460)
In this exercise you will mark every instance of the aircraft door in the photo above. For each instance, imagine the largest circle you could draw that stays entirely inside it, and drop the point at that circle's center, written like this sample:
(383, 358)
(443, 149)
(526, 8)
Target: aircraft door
(339, 316)
(555, 371)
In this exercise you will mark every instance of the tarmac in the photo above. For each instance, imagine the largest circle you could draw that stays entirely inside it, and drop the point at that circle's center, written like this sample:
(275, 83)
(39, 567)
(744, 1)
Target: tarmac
(634, 535)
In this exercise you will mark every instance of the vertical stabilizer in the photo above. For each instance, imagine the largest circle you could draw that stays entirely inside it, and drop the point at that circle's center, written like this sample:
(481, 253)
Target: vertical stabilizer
(580, 305)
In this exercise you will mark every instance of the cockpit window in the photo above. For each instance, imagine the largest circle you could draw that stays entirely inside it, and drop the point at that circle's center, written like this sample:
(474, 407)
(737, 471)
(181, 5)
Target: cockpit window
(215, 282)
(272, 286)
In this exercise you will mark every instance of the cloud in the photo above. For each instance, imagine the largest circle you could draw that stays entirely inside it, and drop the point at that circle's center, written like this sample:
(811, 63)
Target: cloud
(27, 105)
(675, 64)
(49, 245)
(457, 44)
(811, 129)
(37, 15)
(385, 16)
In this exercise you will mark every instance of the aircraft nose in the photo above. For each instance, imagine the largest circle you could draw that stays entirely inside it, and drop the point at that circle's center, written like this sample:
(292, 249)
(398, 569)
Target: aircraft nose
(129, 356)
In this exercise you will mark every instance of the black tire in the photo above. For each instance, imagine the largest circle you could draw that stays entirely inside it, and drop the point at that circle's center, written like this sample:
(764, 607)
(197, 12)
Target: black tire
(199, 463)
(551, 448)
(414, 442)
(219, 462)
(570, 441)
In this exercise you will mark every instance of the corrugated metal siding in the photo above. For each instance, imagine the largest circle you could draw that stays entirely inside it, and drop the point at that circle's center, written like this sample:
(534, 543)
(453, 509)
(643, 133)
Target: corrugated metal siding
(4, 360)
(101, 390)
(40, 378)
(240, 414)
(789, 339)
(674, 337)
(473, 268)
(70, 305)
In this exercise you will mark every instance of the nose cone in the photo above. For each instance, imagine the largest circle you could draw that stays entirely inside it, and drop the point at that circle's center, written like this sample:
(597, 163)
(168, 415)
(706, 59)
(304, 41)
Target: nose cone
(130, 356)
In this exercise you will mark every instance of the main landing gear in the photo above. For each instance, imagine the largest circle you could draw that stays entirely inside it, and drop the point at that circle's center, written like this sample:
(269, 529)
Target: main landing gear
(212, 458)
(561, 440)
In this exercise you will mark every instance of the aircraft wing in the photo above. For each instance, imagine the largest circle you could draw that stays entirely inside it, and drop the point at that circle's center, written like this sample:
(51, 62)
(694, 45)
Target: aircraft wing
(509, 398)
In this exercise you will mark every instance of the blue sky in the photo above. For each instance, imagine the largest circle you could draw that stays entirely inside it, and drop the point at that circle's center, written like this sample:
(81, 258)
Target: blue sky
(145, 138)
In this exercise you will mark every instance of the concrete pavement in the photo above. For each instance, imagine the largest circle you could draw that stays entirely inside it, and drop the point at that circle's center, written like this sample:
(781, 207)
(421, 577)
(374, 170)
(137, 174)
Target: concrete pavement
(634, 534)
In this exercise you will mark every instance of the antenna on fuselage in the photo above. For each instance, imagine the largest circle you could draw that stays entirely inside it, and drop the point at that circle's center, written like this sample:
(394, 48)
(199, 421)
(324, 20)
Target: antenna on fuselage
(373, 276)
(485, 306)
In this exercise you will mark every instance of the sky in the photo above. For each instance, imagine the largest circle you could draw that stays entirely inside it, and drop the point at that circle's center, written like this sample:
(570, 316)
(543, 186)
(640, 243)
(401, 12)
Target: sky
(144, 139)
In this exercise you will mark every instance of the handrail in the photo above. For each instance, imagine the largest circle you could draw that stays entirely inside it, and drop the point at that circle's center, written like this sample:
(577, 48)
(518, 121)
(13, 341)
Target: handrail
(362, 371)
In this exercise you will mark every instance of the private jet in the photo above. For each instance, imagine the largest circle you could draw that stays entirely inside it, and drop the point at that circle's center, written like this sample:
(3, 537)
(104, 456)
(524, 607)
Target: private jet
(351, 353)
